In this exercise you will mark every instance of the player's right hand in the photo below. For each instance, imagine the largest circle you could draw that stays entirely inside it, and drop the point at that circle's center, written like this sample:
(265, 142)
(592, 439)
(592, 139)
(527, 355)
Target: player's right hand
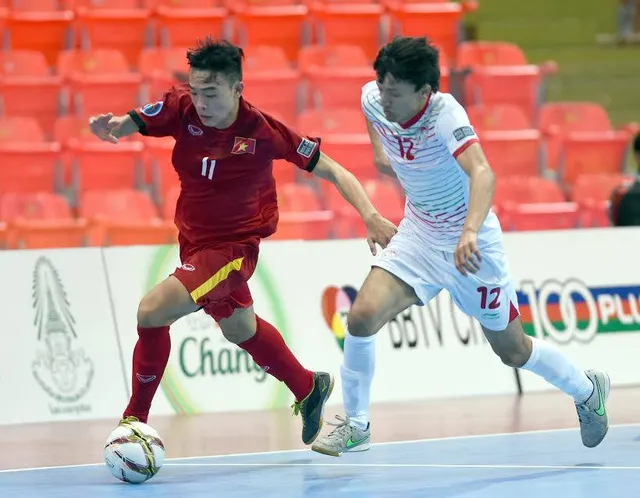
(103, 126)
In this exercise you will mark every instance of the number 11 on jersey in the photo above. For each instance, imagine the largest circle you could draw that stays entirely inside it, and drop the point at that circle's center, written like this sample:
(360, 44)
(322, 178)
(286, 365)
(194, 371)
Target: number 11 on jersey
(208, 165)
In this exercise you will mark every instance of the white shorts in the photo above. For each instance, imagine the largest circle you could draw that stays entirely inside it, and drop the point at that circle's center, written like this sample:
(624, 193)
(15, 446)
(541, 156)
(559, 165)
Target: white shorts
(489, 295)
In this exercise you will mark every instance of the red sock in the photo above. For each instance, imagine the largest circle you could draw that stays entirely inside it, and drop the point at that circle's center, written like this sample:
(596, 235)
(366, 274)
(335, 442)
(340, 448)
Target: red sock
(268, 349)
(150, 358)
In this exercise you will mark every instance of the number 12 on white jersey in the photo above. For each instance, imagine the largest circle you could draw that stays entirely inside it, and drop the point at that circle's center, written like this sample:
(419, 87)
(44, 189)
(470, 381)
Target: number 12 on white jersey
(208, 165)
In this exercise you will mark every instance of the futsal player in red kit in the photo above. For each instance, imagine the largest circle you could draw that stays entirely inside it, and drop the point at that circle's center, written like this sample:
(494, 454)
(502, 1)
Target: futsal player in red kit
(223, 155)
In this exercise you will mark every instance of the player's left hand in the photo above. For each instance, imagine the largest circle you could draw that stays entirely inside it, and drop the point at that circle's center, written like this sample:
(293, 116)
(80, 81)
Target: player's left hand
(379, 231)
(467, 257)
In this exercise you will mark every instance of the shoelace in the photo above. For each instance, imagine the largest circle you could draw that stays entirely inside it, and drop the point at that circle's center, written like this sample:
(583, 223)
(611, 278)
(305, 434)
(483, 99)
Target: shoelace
(340, 427)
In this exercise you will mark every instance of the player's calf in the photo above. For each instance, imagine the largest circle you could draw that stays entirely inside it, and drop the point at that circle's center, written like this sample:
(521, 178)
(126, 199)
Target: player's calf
(512, 345)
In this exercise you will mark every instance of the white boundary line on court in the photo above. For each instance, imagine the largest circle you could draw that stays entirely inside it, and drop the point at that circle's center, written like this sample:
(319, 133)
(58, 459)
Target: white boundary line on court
(169, 461)
(410, 466)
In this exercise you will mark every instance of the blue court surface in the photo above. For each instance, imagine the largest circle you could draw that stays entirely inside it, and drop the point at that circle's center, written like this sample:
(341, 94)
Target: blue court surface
(544, 464)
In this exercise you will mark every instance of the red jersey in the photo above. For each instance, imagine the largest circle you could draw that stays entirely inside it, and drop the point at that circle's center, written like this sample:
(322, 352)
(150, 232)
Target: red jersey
(228, 192)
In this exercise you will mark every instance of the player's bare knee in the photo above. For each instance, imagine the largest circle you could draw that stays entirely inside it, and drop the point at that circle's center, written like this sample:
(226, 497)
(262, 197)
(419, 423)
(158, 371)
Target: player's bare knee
(361, 320)
(239, 327)
(151, 314)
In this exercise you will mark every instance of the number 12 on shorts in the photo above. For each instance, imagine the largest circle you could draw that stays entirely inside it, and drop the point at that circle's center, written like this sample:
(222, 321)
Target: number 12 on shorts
(491, 295)
(208, 165)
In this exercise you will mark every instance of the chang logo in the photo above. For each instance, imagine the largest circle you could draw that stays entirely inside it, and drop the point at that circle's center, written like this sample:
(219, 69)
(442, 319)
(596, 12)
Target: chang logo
(336, 303)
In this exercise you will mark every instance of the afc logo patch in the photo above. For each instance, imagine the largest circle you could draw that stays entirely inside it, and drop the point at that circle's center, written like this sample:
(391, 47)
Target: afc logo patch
(307, 148)
(243, 145)
(463, 132)
(152, 109)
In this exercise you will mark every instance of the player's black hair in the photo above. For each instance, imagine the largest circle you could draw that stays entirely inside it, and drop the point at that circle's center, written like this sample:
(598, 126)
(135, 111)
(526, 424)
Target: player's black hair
(636, 144)
(410, 59)
(217, 56)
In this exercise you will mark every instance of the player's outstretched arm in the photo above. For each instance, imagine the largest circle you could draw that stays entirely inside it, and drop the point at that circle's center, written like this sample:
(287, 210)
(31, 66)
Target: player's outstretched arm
(110, 128)
(380, 158)
(380, 230)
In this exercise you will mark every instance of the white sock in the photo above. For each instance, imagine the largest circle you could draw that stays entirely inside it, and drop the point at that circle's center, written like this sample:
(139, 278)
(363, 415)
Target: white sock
(553, 366)
(357, 373)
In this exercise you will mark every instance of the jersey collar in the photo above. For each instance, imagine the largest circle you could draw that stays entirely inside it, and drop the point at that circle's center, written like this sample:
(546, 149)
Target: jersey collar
(417, 117)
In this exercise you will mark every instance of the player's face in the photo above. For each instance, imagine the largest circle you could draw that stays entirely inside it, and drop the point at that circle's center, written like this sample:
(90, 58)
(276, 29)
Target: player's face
(400, 100)
(215, 97)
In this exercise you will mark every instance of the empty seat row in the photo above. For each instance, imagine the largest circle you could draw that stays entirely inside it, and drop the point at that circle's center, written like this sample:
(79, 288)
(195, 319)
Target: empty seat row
(308, 211)
(286, 24)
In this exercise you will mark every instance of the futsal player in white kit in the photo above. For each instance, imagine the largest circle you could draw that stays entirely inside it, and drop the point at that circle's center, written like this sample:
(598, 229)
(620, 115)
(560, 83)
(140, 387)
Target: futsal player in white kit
(449, 239)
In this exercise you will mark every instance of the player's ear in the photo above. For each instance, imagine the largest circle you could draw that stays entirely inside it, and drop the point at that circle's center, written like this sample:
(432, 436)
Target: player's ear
(239, 88)
(425, 90)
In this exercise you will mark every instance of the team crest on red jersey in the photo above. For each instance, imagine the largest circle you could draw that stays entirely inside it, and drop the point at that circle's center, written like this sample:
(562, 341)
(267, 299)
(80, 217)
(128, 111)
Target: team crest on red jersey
(243, 145)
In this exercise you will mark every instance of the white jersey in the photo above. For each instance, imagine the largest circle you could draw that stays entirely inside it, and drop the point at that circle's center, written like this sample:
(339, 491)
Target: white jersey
(423, 155)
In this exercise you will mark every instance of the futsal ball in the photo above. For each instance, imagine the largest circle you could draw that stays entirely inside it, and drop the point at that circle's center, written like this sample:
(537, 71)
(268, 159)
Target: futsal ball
(134, 452)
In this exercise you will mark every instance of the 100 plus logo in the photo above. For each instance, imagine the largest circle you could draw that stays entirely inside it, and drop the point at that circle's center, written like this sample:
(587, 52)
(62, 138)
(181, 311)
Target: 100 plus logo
(572, 311)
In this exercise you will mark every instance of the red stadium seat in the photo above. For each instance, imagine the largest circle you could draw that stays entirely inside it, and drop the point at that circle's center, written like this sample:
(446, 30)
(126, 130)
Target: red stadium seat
(334, 76)
(388, 198)
(490, 53)
(118, 25)
(273, 91)
(517, 85)
(41, 234)
(179, 22)
(353, 151)
(36, 206)
(592, 193)
(501, 75)
(321, 122)
(272, 25)
(93, 74)
(349, 23)
(561, 118)
(512, 152)
(159, 66)
(69, 128)
(124, 217)
(301, 214)
(116, 205)
(102, 165)
(498, 117)
(28, 88)
(38, 25)
(159, 168)
(592, 152)
(20, 129)
(526, 190)
(27, 162)
(439, 20)
(264, 57)
(542, 216)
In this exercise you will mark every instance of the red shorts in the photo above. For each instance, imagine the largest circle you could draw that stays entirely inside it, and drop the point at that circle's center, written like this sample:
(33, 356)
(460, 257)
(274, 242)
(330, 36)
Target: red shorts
(217, 277)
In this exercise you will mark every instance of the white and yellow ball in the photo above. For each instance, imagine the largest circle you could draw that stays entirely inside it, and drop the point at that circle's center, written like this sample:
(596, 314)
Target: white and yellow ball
(134, 452)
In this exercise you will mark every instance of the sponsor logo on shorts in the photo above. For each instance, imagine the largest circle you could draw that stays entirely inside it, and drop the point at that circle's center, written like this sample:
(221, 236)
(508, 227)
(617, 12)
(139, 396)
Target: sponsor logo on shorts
(152, 109)
(61, 367)
(571, 311)
(463, 132)
(188, 267)
(307, 148)
(194, 130)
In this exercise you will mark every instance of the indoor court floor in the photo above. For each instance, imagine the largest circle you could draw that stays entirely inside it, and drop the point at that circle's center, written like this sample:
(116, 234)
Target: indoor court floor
(494, 447)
